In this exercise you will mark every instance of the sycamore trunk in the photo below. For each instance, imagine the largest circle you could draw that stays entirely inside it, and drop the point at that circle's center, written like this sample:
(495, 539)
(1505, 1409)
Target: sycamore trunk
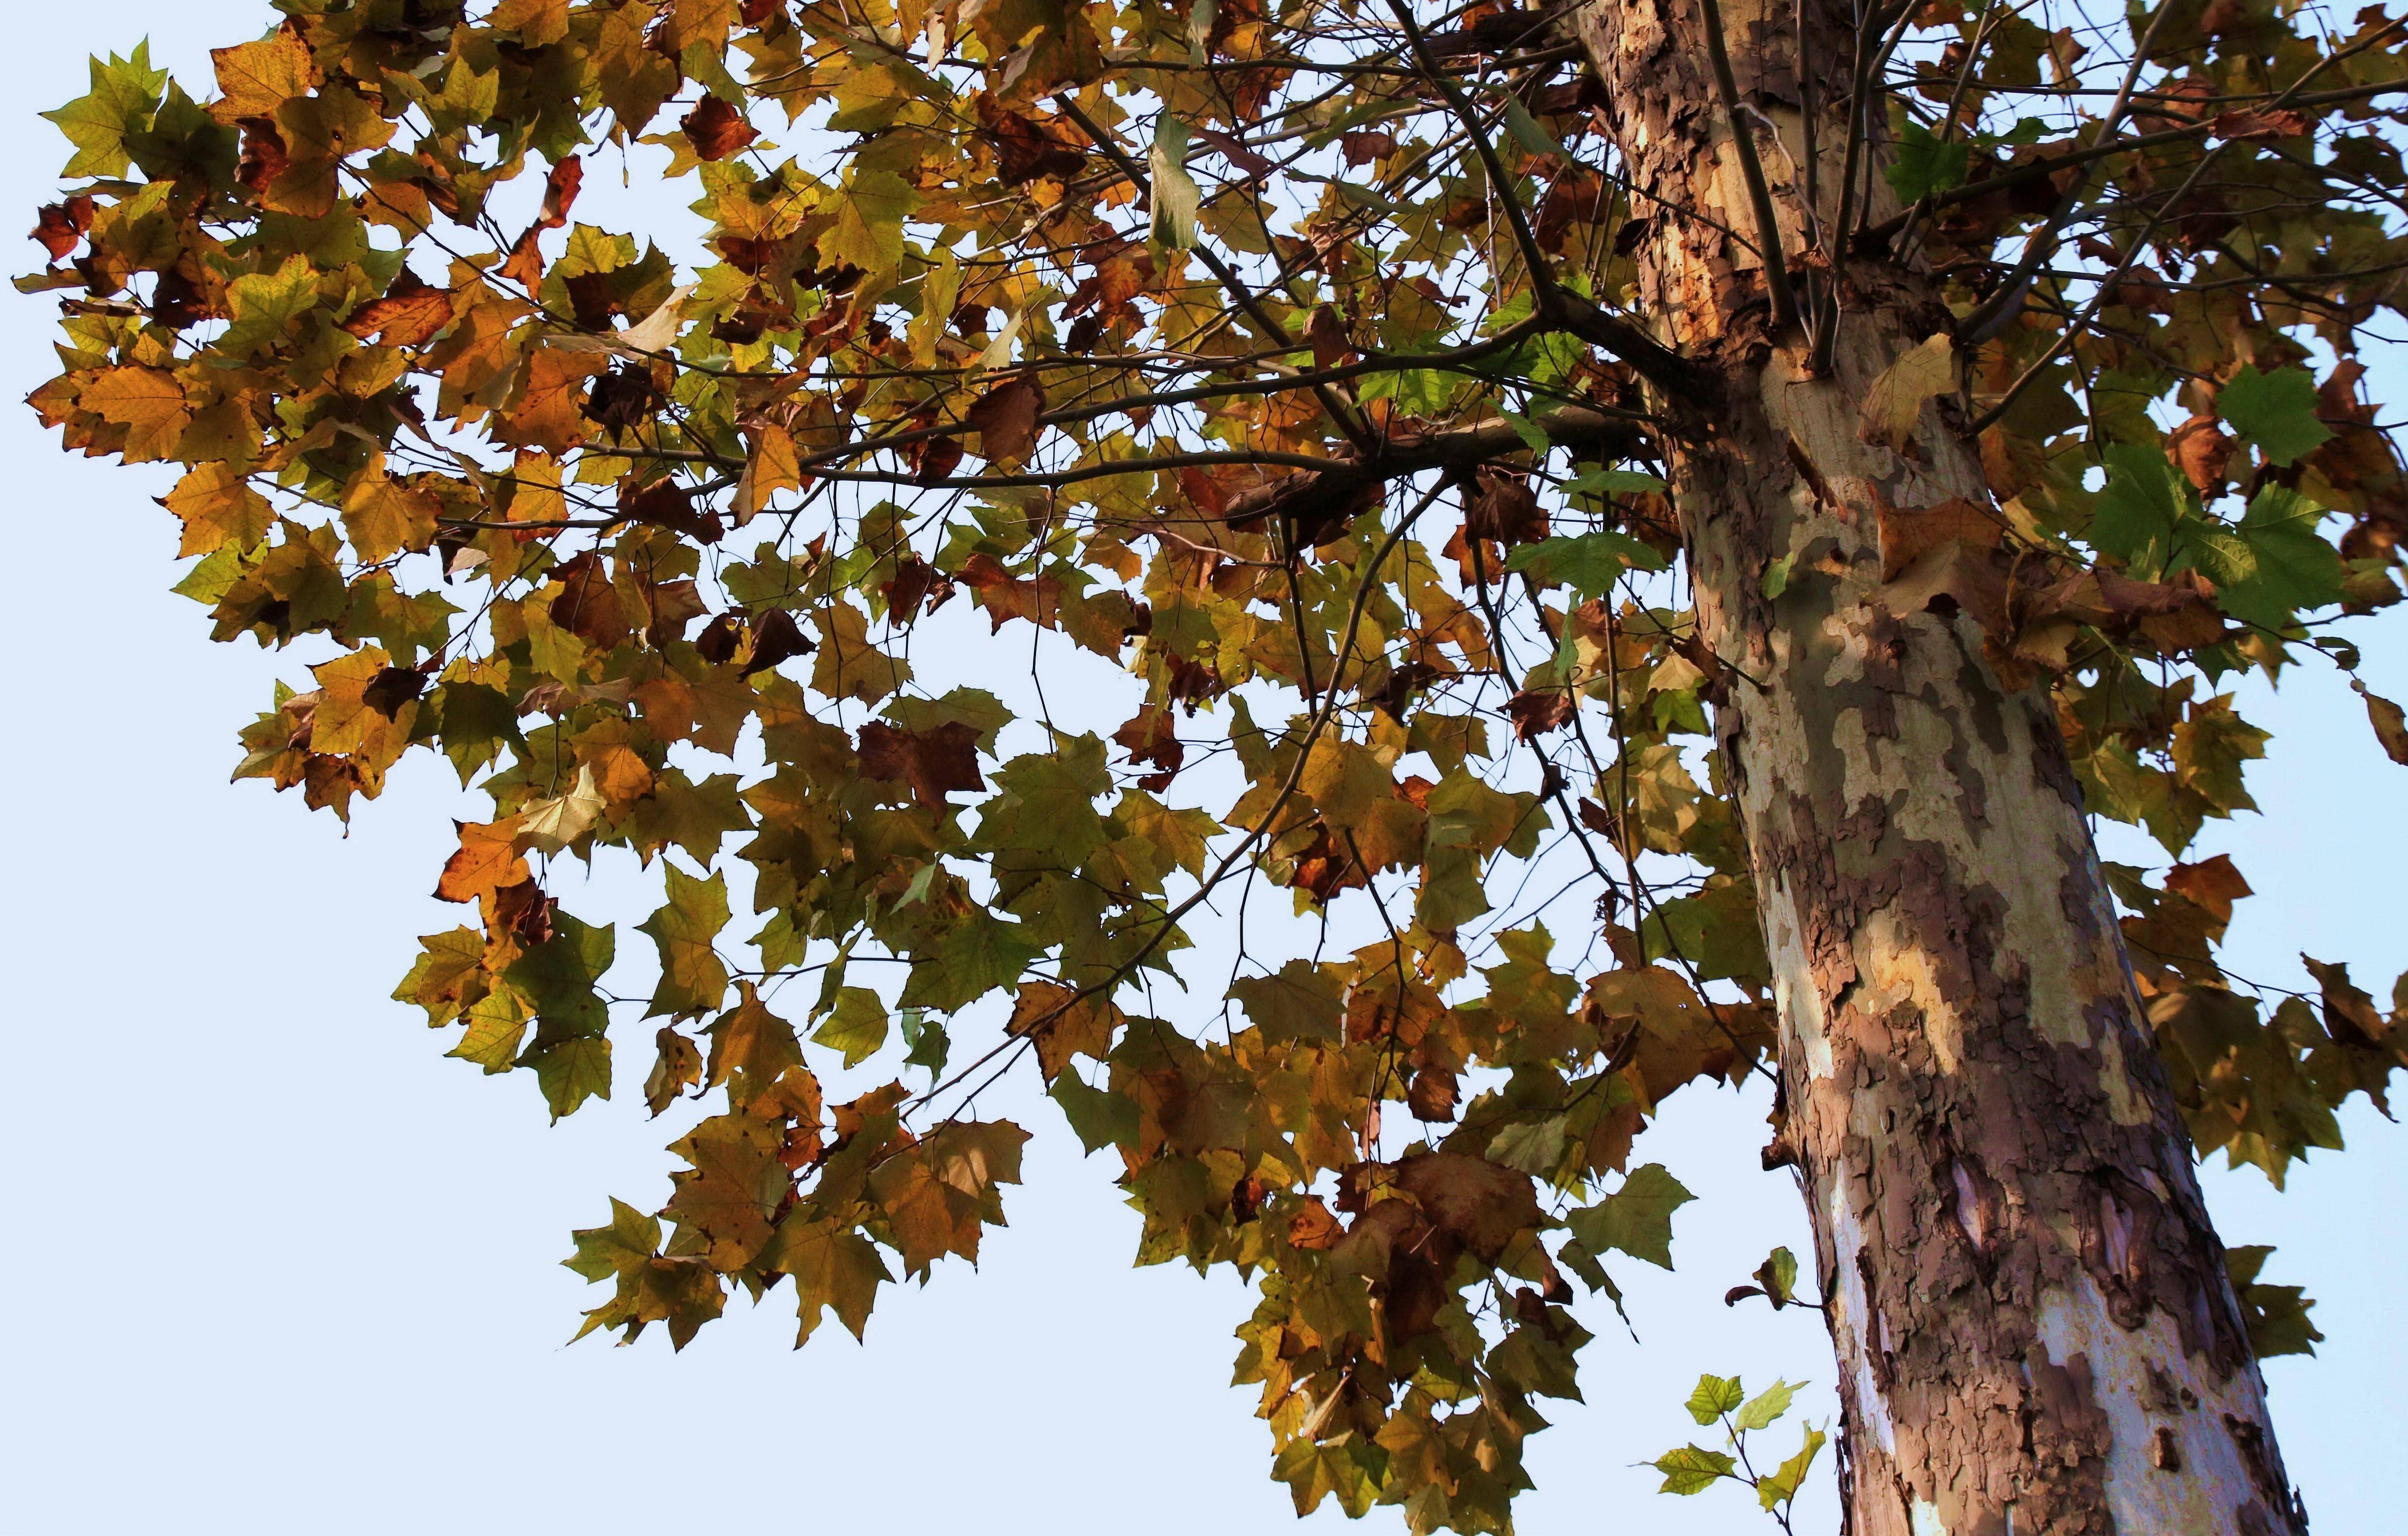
(2034, 1327)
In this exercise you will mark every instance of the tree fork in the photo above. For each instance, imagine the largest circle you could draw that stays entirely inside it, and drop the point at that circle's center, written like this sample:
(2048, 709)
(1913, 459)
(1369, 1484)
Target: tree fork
(2034, 1325)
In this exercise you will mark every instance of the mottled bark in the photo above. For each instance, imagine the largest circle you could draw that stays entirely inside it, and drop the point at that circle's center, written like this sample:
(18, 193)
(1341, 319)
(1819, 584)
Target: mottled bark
(2034, 1327)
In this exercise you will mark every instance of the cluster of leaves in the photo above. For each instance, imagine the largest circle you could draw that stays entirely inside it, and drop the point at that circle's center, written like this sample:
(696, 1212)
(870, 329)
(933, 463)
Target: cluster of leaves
(1693, 1468)
(1148, 337)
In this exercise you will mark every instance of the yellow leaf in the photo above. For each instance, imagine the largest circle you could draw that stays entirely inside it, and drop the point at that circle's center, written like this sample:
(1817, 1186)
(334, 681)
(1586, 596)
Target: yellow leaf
(218, 507)
(552, 825)
(148, 402)
(773, 468)
(848, 665)
(1896, 398)
(258, 77)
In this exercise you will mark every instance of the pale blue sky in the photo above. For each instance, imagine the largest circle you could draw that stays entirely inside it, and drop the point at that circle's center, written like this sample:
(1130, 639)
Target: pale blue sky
(281, 1268)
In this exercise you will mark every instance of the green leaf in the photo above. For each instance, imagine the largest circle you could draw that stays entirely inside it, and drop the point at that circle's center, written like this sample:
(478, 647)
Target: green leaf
(1613, 483)
(2136, 515)
(1766, 1406)
(1528, 133)
(2290, 565)
(693, 980)
(1636, 1218)
(1533, 1147)
(570, 1071)
(1715, 1397)
(856, 1025)
(925, 1041)
(1776, 576)
(1778, 1275)
(2275, 410)
(125, 94)
(627, 1244)
(266, 306)
(1176, 196)
(1784, 1483)
(1924, 164)
(1692, 1468)
(1588, 562)
(868, 230)
(1100, 1119)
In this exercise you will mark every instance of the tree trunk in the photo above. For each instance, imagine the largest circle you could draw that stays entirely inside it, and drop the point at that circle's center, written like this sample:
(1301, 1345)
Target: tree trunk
(2034, 1327)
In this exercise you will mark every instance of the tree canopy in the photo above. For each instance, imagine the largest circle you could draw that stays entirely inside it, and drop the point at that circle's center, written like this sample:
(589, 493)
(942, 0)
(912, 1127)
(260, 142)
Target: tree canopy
(1276, 382)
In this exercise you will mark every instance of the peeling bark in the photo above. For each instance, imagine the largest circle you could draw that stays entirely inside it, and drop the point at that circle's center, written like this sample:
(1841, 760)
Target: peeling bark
(2034, 1327)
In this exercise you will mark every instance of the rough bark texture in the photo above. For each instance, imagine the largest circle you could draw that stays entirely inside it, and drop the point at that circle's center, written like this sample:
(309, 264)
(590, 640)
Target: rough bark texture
(2034, 1325)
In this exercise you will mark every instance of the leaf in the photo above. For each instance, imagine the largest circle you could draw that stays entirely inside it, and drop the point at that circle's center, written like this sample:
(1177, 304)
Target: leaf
(868, 229)
(488, 860)
(550, 826)
(124, 93)
(1176, 195)
(1484, 1205)
(935, 762)
(716, 130)
(1894, 401)
(1715, 1397)
(1784, 1482)
(1766, 1406)
(1005, 419)
(1588, 562)
(693, 980)
(256, 79)
(2390, 723)
(1636, 1218)
(1692, 1468)
(1923, 165)
(266, 306)
(835, 1269)
(2289, 566)
(148, 402)
(2277, 411)
(219, 510)
(856, 1026)
(2137, 512)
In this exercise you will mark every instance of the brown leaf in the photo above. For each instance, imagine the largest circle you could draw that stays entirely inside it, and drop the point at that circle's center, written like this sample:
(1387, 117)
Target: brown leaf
(915, 582)
(1363, 145)
(392, 688)
(1536, 712)
(933, 458)
(1484, 1204)
(2390, 723)
(1949, 576)
(1005, 419)
(1026, 150)
(2213, 885)
(1004, 595)
(776, 638)
(716, 130)
(666, 504)
(1507, 512)
(62, 226)
(560, 192)
(1312, 1227)
(1150, 737)
(1327, 867)
(1907, 532)
(1063, 1023)
(1326, 331)
(1433, 1095)
(932, 762)
(2259, 124)
(410, 314)
(2202, 449)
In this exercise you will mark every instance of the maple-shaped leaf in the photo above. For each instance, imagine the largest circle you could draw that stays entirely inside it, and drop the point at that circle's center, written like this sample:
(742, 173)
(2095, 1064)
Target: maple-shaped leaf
(125, 94)
(256, 79)
(488, 859)
(750, 1046)
(835, 1268)
(716, 130)
(2277, 411)
(1635, 1218)
(934, 762)
(856, 1025)
(1486, 1206)
(693, 978)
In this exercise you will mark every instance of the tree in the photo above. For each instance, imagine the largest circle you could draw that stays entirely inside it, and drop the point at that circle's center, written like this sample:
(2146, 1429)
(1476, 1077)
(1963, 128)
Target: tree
(1743, 485)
